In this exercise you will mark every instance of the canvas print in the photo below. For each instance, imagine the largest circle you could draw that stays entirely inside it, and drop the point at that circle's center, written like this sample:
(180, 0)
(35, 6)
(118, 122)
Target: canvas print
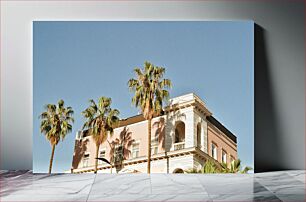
(143, 97)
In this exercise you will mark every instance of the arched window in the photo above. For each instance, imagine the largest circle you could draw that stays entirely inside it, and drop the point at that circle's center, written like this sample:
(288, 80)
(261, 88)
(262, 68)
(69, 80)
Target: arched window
(199, 135)
(179, 132)
(224, 156)
(214, 151)
(178, 170)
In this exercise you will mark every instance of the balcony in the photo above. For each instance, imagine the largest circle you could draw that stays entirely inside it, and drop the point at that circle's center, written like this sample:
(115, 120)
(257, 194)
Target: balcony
(179, 146)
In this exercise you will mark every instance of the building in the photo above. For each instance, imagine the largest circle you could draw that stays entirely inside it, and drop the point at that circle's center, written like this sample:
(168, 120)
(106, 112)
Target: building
(184, 137)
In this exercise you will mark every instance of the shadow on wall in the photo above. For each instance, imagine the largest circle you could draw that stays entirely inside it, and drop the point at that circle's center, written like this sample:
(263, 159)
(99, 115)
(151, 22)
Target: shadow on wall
(164, 134)
(160, 131)
(79, 151)
(172, 119)
(119, 148)
(266, 137)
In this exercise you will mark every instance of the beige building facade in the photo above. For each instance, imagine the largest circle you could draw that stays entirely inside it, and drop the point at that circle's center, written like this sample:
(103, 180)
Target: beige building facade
(184, 137)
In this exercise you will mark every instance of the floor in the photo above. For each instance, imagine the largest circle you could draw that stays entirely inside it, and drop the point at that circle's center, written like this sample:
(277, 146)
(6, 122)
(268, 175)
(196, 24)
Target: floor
(270, 186)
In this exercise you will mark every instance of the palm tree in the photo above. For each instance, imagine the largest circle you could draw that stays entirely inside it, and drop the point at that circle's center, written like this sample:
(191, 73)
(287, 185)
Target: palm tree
(56, 124)
(210, 167)
(150, 92)
(224, 168)
(193, 170)
(100, 120)
(235, 167)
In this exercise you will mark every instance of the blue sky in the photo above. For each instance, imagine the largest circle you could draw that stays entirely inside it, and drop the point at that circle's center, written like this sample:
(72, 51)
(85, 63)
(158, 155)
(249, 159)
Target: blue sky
(77, 61)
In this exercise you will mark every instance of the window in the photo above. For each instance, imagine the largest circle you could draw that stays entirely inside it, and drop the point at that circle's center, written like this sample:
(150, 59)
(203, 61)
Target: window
(135, 150)
(155, 137)
(118, 153)
(85, 160)
(154, 149)
(179, 132)
(101, 155)
(224, 154)
(154, 145)
(214, 151)
(179, 136)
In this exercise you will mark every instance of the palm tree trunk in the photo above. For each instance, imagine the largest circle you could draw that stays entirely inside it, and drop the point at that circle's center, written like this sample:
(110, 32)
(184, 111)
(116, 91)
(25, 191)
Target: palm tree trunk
(167, 157)
(51, 159)
(96, 162)
(149, 146)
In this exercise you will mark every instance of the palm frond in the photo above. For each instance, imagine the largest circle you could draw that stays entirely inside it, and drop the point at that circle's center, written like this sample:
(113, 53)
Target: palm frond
(192, 170)
(55, 121)
(149, 89)
(100, 119)
(246, 169)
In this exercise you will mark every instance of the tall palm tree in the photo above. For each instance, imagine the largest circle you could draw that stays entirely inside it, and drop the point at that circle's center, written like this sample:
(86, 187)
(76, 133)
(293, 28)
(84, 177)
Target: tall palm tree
(150, 92)
(101, 120)
(56, 124)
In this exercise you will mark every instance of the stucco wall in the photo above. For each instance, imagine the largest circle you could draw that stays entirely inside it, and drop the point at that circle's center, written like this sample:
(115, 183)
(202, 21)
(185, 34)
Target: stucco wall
(138, 131)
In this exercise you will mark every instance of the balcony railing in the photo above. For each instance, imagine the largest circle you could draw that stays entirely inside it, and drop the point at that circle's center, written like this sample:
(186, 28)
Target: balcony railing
(179, 146)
